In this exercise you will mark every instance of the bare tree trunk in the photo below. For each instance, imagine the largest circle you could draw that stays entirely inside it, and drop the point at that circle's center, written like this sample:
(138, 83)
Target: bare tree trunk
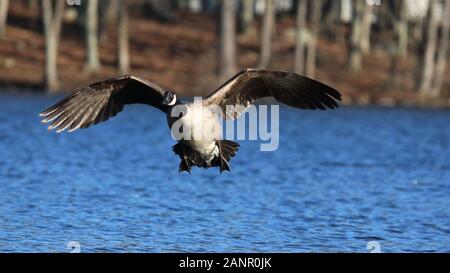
(227, 39)
(246, 15)
(346, 10)
(366, 27)
(430, 50)
(300, 43)
(402, 29)
(93, 62)
(52, 28)
(442, 53)
(3, 15)
(312, 47)
(111, 11)
(124, 51)
(266, 36)
(355, 41)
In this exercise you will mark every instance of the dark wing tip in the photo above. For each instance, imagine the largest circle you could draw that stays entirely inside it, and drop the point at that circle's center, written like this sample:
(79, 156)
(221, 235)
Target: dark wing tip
(311, 94)
(298, 81)
(100, 101)
(286, 87)
(333, 93)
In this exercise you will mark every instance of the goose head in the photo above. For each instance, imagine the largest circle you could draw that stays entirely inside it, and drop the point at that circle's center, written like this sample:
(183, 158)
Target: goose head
(169, 98)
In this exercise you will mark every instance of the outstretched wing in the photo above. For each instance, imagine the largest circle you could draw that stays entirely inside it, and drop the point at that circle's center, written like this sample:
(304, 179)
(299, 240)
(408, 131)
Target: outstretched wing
(288, 88)
(100, 101)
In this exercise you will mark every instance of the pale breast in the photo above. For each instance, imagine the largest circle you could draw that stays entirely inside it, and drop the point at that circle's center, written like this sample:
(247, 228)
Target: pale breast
(202, 128)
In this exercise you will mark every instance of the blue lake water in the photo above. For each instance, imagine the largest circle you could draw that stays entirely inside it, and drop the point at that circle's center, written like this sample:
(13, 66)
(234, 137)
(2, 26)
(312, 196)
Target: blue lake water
(339, 180)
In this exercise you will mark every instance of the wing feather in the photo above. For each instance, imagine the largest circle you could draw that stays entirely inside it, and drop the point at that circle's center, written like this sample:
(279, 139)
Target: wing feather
(100, 101)
(69, 117)
(288, 88)
(90, 114)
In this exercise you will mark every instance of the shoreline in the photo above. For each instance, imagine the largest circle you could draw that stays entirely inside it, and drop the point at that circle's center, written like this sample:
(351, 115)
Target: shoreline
(182, 56)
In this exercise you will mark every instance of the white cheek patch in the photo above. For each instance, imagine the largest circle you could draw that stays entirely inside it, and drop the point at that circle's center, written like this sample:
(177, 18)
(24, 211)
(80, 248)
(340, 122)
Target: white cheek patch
(173, 101)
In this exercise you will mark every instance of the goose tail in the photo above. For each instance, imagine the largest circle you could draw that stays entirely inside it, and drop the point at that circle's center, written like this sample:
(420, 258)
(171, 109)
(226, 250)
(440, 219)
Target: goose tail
(227, 150)
(189, 157)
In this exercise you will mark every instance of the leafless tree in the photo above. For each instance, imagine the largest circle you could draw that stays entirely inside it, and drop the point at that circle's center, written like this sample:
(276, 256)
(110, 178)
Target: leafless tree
(246, 15)
(355, 51)
(52, 27)
(430, 50)
(109, 11)
(112, 10)
(300, 43)
(266, 34)
(227, 66)
(366, 27)
(402, 30)
(442, 52)
(312, 46)
(123, 40)
(93, 61)
(3, 15)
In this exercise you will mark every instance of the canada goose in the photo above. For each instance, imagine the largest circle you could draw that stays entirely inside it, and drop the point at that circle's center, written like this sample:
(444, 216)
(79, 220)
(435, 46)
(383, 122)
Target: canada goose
(102, 100)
